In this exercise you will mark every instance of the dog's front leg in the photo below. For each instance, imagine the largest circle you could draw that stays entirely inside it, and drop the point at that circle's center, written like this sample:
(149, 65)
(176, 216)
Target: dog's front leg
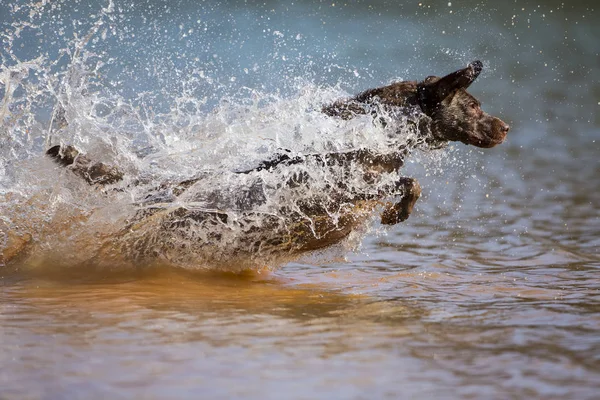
(394, 213)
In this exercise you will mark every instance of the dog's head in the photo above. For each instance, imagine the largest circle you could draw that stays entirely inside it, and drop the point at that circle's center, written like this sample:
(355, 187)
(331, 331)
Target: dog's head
(456, 115)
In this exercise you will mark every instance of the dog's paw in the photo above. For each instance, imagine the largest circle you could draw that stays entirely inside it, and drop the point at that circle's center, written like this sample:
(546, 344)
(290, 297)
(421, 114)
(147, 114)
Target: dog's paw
(395, 213)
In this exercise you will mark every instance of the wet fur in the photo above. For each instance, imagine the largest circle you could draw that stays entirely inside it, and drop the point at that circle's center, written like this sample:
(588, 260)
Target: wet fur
(451, 113)
(446, 112)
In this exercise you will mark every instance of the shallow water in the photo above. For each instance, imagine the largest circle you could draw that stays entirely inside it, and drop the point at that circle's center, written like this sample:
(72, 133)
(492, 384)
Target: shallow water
(489, 290)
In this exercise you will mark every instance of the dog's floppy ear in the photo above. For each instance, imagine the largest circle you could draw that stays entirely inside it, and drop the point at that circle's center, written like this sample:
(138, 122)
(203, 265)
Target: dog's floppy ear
(432, 91)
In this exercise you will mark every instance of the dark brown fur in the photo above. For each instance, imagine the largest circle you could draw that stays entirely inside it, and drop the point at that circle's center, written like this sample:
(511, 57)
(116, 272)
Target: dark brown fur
(452, 113)
(95, 173)
(446, 113)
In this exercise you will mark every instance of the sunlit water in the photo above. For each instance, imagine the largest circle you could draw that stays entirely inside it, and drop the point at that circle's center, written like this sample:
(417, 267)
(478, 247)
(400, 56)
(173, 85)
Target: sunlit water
(489, 290)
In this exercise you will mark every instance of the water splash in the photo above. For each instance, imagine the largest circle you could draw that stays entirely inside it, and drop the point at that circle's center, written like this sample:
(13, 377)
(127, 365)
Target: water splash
(77, 91)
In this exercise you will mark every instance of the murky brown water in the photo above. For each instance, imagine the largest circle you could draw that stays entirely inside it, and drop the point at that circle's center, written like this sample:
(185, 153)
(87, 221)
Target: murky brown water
(489, 290)
(471, 327)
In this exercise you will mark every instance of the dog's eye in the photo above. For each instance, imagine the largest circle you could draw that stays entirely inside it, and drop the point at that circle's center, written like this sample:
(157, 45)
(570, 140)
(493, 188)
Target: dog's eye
(474, 106)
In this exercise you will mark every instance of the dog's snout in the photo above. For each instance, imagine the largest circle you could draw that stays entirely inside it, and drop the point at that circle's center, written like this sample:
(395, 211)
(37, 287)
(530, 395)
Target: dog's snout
(505, 128)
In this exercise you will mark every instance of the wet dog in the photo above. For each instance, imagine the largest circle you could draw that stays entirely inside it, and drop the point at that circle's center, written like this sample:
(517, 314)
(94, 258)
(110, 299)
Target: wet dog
(439, 110)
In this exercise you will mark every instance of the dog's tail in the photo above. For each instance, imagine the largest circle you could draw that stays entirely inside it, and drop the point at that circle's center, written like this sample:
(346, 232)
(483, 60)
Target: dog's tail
(94, 173)
(63, 155)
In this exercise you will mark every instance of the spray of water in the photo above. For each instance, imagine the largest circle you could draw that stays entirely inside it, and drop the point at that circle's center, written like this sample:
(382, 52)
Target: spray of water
(183, 200)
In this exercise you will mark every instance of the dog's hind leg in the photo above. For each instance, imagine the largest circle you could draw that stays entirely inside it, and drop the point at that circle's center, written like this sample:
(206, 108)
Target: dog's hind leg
(394, 213)
(95, 173)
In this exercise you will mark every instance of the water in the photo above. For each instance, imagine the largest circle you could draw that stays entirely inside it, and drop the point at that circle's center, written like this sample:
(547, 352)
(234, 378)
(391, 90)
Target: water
(488, 290)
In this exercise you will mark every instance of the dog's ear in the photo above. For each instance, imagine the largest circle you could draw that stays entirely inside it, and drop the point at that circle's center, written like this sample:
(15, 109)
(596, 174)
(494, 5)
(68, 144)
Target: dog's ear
(433, 90)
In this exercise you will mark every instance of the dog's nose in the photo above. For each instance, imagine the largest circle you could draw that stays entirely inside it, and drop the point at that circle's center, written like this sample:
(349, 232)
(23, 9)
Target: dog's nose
(505, 128)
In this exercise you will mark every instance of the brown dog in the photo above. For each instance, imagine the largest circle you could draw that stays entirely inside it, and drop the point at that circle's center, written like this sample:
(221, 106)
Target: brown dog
(445, 112)
(439, 110)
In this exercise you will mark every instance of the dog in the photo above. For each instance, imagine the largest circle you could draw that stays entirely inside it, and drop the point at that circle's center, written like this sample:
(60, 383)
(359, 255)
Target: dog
(438, 109)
